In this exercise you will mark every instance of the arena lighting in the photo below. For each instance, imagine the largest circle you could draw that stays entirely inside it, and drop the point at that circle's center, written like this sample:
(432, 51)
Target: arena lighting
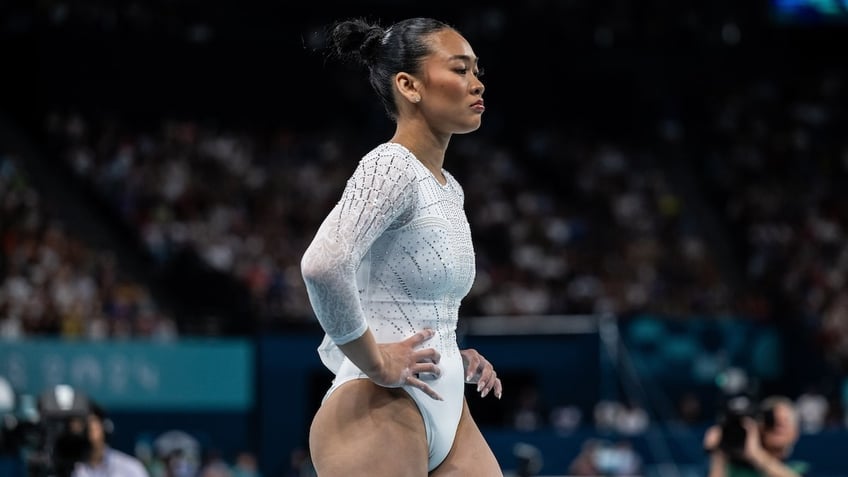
(809, 12)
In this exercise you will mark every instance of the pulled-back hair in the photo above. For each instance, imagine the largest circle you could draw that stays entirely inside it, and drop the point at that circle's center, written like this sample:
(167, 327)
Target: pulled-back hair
(385, 51)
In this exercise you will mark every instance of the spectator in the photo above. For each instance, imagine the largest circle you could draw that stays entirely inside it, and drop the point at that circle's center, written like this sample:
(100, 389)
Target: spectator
(52, 283)
(765, 448)
(102, 460)
(812, 409)
(246, 466)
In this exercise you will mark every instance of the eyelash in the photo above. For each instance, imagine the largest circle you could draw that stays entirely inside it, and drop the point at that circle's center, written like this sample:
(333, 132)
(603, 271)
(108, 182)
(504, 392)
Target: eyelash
(463, 71)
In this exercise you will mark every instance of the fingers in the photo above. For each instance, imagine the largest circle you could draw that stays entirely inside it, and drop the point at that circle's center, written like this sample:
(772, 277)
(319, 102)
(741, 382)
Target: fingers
(498, 388)
(712, 437)
(482, 372)
(493, 383)
(750, 426)
(476, 367)
(488, 377)
(429, 368)
(489, 381)
(473, 369)
(420, 337)
(428, 354)
(415, 382)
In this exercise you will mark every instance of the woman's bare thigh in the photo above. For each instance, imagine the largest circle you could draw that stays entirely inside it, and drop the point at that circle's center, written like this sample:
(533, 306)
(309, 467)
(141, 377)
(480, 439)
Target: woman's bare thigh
(367, 430)
(470, 455)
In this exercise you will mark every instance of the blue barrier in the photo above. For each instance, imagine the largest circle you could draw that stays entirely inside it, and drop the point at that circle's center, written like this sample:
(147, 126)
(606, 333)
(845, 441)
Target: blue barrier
(276, 384)
(137, 375)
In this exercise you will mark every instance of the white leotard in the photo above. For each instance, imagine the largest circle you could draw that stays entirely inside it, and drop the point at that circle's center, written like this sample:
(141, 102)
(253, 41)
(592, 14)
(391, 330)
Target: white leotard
(395, 255)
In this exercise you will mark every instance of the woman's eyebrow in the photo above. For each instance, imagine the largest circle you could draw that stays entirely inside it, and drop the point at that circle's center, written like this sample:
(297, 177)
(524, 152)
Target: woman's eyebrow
(465, 58)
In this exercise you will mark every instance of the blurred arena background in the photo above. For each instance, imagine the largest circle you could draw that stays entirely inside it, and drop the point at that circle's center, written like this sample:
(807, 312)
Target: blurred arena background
(658, 197)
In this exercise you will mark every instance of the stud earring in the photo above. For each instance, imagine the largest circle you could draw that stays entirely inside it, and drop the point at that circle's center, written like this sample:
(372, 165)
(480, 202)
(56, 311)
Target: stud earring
(416, 99)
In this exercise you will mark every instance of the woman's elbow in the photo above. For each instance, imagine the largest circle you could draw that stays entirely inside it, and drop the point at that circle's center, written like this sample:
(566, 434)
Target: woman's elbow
(310, 269)
(317, 267)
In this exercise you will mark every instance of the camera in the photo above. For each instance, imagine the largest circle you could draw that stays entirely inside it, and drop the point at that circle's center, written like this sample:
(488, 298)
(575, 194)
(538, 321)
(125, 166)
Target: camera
(733, 433)
(50, 433)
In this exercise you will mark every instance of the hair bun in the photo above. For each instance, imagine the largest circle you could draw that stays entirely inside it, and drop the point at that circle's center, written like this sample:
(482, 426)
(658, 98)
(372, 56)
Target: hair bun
(357, 39)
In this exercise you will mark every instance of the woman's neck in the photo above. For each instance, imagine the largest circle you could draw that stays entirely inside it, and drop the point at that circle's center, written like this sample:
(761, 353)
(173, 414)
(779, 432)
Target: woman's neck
(427, 146)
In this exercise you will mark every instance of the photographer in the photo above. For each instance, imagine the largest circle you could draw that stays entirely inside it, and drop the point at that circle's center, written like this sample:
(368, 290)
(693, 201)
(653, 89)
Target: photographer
(764, 446)
(101, 460)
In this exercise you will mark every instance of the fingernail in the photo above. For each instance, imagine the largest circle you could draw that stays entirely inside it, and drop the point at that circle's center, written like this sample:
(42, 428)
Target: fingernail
(484, 393)
(499, 395)
(480, 386)
(468, 378)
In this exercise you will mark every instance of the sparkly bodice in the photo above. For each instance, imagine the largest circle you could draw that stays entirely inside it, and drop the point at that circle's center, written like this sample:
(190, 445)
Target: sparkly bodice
(394, 254)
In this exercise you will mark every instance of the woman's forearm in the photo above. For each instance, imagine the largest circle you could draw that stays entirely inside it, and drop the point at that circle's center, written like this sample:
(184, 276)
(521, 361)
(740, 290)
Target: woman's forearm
(364, 353)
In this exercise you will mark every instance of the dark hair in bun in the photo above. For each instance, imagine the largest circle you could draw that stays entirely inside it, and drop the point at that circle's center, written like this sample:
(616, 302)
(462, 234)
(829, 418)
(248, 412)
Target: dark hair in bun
(384, 51)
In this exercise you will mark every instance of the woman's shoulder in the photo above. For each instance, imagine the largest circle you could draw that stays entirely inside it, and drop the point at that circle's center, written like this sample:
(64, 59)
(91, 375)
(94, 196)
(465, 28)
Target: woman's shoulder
(389, 152)
(391, 158)
(453, 183)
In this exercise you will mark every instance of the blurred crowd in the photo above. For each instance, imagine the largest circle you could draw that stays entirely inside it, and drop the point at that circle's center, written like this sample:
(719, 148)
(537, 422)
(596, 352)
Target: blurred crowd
(562, 223)
(775, 163)
(816, 411)
(566, 219)
(53, 283)
(244, 202)
(715, 193)
(607, 235)
(178, 453)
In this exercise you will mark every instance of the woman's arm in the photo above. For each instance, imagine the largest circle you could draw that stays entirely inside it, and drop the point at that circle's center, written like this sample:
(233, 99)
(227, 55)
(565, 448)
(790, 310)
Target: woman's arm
(380, 193)
(395, 364)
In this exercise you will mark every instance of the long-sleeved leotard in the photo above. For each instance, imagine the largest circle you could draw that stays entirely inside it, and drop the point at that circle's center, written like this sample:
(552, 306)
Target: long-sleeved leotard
(395, 255)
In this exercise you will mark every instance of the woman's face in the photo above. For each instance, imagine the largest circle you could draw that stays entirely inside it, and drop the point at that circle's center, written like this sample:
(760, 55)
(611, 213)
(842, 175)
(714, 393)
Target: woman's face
(451, 92)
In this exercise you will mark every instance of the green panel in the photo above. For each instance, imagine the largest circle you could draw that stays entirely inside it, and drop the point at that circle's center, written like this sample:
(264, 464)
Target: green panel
(137, 375)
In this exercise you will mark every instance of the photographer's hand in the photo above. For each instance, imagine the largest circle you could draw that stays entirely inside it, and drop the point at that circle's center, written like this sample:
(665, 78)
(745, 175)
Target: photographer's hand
(712, 438)
(766, 463)
(718, 461)
(753, 441)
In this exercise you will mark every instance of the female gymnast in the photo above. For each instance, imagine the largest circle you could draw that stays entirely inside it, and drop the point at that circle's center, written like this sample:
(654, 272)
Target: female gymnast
(389, 265)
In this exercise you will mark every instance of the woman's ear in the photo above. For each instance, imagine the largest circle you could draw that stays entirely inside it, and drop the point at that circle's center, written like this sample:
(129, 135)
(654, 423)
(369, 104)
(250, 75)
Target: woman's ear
(408, 87)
